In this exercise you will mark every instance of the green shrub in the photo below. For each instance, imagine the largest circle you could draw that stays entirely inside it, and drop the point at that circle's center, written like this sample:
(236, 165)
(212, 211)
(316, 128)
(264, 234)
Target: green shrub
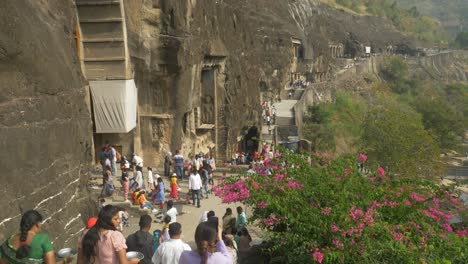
(318, 209)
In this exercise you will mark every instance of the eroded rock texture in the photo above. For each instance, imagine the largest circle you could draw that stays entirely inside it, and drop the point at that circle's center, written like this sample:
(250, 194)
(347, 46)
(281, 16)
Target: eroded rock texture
(179, 46)
(45, 126)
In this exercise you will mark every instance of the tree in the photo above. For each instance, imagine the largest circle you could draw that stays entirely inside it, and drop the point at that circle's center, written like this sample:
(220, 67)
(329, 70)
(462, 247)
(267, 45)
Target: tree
(394, 136)
(333, 214)
(462, 40)
(442, 120)
(317, 128)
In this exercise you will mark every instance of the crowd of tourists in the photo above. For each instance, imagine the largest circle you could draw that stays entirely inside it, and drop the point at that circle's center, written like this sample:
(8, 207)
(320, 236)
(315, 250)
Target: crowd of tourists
(217, 241)
(223, 240)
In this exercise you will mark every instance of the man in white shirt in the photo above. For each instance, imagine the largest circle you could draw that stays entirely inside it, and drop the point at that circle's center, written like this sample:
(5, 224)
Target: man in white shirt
(169, 252)
(137, 161)
(171, 211)
(195, 184)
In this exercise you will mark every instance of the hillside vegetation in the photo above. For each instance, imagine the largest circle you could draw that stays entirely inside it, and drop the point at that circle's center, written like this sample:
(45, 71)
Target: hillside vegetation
(404, 125)
(407, 20)
(452, 14)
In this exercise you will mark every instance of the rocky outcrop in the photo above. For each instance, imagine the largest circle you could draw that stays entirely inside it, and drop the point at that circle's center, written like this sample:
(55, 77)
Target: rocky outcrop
(248, 45)
(45, 125)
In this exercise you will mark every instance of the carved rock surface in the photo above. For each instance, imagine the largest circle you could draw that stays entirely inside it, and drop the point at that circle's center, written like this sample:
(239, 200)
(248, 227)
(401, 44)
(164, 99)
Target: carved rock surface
(45, 125)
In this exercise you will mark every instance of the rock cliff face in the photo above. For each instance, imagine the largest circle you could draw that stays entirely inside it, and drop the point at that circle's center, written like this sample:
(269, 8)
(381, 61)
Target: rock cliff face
(45, 126)
(200, 68)
(244, 49)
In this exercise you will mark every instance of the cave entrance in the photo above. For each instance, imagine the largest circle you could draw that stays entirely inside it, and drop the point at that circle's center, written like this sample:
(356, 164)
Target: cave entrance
(208, 95)
(249, 143)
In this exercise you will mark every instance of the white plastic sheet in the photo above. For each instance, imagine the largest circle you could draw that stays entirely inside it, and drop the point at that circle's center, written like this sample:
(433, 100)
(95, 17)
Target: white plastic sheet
(114, 105)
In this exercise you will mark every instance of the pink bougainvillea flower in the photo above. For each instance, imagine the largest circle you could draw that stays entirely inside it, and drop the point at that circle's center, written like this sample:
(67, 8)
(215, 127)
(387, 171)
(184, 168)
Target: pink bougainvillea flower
(417, 198)
(262, 205)
(255, 185)
(462, 233)
(318, 257)
(279, 177)
(408, 203)
(436, 202)
(334, 228)
(448, 227)
(380, 172)
(326, 211)
(355, 213)
(294, 185)
(362, 158)
(397, 236)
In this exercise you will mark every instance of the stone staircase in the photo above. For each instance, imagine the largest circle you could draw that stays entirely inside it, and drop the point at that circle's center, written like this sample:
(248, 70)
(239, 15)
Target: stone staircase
(103, 36)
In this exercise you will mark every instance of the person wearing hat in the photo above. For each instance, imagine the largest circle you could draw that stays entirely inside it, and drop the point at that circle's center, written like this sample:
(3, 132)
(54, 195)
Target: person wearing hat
(174, 187)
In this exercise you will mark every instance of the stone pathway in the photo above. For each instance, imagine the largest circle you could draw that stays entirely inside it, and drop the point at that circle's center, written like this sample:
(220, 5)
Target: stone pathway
(188, 217)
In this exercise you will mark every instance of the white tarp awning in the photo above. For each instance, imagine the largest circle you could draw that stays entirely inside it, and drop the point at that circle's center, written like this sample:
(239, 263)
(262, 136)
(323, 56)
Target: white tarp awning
(114, 105)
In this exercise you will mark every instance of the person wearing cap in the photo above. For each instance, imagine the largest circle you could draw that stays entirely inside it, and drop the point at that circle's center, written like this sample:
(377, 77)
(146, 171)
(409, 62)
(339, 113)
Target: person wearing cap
(142, 241)
(169, 252)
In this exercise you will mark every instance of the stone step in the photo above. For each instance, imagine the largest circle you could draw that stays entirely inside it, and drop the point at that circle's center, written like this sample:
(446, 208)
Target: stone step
(101, 20)
(102, 30)
(97, 2)
(99, 12)
(103, 49)
(285, 121)
(97, 40)
(97, 59)
(105, 70)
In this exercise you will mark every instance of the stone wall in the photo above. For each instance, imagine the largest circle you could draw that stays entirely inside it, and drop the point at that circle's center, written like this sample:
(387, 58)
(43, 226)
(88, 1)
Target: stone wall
(45, 125)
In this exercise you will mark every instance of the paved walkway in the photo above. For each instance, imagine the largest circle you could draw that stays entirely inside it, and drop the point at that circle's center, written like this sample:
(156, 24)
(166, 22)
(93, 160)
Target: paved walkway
(188, 217)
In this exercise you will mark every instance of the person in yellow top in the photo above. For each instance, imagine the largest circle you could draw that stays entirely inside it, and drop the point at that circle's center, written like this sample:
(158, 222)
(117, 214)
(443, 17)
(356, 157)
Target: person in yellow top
(143, 202)
(174, 187)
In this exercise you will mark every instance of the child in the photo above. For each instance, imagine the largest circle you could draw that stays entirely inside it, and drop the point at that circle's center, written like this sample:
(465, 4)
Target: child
(150, 179)
(165, 231)
(158, 195)
(123, 219)
(102, 203)
(231, 249)
(157, 239)
(174, 187)
(125, 184)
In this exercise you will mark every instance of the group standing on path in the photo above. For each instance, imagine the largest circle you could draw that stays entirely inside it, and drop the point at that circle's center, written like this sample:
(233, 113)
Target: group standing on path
(217, 240)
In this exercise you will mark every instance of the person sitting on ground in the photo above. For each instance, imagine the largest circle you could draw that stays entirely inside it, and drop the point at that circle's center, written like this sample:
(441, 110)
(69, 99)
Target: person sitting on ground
(134, 197)
(159, 195)
(104, 243)
(29, 245)
(210, 247)
(229, 221)
(171, 211)
(170, 251)
(141, 198)
(165, 231)
(142, 240)
(174, 187)
(241, 218)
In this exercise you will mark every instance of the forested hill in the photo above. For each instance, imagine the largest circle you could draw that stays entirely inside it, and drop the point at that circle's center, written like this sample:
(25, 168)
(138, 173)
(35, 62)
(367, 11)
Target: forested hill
(452, 13)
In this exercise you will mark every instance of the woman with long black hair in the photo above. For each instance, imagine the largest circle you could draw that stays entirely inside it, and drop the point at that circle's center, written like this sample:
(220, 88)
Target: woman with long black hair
(29, 246)
(104, 244)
